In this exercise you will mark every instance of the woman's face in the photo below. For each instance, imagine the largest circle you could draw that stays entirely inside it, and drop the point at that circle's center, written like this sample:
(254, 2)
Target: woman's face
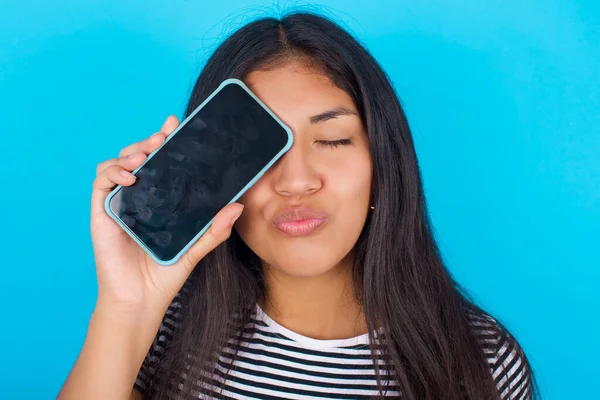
(304, 216)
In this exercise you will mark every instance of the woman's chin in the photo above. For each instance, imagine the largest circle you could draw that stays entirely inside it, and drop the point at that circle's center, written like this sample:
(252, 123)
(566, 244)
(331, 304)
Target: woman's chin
(307, 268)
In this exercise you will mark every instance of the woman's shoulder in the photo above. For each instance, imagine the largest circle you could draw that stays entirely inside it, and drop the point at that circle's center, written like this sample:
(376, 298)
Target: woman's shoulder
(508, 363)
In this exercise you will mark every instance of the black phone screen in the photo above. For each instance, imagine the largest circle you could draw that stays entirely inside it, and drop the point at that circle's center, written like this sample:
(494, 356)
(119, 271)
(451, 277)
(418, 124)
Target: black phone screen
(199, 170)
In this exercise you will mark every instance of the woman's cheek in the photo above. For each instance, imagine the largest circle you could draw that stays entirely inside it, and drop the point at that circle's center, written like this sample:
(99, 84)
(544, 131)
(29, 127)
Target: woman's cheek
(244, 222)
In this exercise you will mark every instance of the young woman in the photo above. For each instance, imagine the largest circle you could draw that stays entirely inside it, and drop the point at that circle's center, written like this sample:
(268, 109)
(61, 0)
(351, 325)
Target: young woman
(329, 285)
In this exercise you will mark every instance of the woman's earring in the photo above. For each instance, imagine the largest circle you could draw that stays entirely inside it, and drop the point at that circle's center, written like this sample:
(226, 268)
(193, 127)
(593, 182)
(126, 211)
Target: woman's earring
(372, 207)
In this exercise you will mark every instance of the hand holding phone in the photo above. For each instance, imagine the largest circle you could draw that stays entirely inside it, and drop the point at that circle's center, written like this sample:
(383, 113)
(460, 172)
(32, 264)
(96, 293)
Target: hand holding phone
(127, 275)
(175, 193)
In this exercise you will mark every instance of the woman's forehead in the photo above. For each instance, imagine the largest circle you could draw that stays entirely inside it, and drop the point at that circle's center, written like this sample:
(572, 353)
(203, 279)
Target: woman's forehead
(296, 92)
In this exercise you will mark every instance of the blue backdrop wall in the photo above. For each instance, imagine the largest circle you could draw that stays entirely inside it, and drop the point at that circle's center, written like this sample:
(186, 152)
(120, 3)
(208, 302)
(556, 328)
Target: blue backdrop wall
(503, 98)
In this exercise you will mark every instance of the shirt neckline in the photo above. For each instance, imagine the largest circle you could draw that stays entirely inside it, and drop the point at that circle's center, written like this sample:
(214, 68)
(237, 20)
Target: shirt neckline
(308, 341)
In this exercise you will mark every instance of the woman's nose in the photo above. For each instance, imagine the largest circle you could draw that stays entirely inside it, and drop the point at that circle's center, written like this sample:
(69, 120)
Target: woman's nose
(295, 175)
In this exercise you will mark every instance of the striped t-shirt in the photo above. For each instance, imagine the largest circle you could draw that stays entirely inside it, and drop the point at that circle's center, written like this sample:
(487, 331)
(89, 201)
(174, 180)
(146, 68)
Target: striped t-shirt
(275, 363)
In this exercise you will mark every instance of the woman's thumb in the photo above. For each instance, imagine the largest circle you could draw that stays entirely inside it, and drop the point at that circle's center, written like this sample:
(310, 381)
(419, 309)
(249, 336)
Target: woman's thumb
(216, 234)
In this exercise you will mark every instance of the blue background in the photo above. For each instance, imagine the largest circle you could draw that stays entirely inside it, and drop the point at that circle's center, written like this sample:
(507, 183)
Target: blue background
(502, 96)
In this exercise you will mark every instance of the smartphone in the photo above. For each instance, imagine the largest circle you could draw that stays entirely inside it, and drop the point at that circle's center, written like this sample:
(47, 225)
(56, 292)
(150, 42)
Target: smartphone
(213, 157)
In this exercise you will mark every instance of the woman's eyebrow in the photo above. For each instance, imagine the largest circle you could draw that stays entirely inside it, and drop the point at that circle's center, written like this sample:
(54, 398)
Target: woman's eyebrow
(330, 114)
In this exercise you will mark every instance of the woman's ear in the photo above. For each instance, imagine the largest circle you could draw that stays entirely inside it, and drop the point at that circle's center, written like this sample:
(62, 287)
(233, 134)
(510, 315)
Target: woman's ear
(372, 199)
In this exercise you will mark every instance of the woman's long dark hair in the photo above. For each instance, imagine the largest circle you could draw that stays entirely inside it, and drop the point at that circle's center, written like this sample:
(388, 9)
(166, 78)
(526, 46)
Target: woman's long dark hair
(399, 276)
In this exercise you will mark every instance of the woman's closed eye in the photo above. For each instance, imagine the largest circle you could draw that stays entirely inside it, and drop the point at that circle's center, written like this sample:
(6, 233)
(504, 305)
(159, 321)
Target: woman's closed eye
(334, 143)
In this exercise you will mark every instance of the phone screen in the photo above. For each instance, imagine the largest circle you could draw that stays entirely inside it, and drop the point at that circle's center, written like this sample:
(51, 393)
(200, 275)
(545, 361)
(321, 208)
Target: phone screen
(206, 163)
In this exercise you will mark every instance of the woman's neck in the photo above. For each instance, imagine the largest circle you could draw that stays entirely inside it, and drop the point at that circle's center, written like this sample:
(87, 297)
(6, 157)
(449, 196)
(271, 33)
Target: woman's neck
(322, 307)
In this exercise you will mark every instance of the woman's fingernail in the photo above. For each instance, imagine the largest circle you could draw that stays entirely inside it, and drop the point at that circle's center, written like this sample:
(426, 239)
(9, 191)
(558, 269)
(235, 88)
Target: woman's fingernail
(126, 174)
(132, 155)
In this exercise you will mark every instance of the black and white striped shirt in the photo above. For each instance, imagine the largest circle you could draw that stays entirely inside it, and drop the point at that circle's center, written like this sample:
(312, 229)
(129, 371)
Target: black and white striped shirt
(276, 363)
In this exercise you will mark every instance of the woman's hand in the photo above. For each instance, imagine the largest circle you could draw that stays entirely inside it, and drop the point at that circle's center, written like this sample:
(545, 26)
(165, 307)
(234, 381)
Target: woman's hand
(128, 278)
